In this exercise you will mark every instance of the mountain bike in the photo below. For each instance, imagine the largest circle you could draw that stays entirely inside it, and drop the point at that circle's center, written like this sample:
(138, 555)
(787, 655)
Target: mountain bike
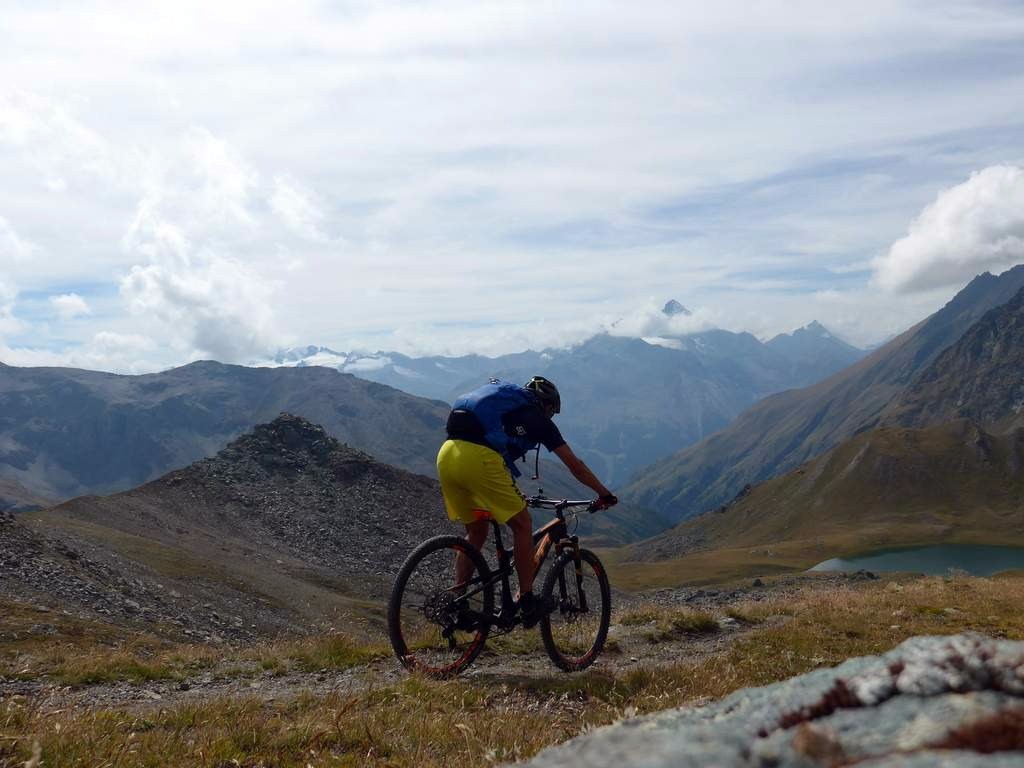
(438, 627)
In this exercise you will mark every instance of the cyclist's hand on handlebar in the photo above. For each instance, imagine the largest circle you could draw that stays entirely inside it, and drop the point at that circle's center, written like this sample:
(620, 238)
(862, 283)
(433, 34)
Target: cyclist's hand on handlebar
(604, 502)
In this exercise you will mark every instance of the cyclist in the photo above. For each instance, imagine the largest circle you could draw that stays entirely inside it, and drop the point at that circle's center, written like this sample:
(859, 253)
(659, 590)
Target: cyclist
(488, 430)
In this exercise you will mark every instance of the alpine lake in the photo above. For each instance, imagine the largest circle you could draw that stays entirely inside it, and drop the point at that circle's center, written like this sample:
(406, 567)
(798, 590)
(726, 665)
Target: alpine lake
(936, 560)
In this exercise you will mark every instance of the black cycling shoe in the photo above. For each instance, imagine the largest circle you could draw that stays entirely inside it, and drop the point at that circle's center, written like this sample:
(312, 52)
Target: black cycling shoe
(532, 609)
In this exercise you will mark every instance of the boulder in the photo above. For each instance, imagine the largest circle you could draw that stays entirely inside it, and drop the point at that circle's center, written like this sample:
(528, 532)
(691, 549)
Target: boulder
(931, 701)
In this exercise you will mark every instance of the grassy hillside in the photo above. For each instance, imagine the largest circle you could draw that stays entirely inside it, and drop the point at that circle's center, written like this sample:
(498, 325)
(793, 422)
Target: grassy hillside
(887, 487)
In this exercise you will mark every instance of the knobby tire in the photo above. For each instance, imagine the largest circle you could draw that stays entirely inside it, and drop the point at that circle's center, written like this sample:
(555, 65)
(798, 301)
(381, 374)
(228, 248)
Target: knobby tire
(572, 638)
(414, 619)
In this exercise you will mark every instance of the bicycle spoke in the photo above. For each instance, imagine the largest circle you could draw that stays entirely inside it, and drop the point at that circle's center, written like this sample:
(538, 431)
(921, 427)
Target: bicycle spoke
(575, 631)
(436, 624)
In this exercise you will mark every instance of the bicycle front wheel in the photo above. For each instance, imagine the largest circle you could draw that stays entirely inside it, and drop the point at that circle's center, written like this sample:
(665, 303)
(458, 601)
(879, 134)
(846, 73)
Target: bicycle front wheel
(436, 625)
(575, 631)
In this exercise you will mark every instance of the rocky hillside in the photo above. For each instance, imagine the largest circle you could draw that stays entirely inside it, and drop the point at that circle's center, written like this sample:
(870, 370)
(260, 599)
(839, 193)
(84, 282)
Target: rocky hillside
(887, 487)
(284, 528)
(14, 497)
(66, 432)
(978, 378)
(789, 428)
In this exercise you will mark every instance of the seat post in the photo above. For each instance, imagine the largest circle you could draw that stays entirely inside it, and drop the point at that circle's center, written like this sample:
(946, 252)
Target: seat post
(497, 535)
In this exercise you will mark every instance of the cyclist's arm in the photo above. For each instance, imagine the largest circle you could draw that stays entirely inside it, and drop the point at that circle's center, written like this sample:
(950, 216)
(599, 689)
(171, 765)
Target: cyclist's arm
(580, 470)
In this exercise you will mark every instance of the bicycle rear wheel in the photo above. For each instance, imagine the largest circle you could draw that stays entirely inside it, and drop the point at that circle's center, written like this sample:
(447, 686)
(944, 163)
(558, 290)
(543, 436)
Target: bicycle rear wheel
(436, 626)
(575, 631)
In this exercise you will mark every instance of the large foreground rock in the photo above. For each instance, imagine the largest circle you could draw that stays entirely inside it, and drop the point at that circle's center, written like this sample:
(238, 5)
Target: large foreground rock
(931, 701)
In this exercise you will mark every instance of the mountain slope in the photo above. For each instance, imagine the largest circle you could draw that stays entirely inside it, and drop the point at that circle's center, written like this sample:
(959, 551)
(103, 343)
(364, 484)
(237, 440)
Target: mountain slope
(14, 497)
(888, 487)
(282, 527)
(65, 432)
(786, 429)
(978, 378)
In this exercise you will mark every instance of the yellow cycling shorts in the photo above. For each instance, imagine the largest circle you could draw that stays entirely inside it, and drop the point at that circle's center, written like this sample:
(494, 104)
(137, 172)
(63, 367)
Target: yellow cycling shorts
(476, 484)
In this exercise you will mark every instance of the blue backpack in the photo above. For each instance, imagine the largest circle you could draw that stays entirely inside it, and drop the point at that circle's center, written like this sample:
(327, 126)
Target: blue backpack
(489, 403)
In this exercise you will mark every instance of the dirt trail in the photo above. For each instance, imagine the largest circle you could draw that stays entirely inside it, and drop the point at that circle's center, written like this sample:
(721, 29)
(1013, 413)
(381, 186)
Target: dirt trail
(628, 649)
(629, 646)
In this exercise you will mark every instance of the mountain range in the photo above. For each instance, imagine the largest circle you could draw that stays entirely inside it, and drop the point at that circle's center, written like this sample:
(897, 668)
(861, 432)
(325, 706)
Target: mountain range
(895, 384)
(626, 401)
(67, 432)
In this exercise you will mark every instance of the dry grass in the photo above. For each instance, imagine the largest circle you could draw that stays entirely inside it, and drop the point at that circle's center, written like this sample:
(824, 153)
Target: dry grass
(419, 722)
(661, 624)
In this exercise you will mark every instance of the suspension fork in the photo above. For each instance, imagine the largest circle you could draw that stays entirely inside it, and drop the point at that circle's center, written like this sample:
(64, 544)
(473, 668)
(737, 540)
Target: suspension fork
(573, 544)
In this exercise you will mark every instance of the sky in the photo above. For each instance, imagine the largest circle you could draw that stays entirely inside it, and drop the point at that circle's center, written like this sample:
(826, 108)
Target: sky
(196, 180)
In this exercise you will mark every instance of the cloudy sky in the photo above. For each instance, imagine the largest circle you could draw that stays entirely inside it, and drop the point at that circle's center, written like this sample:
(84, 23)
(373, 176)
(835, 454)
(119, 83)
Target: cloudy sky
(216, 180)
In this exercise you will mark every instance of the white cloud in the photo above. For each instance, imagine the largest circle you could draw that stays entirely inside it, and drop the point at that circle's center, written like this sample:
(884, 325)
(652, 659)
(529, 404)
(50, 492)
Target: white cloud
(9, 324)
(68, 306)
(209, 303)
(105, 351)
(504, 176)
(12, 247)
(297, 209)
(970, 228)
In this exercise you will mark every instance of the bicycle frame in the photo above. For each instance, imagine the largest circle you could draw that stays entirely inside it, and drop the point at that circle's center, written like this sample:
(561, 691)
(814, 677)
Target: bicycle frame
(552, 535)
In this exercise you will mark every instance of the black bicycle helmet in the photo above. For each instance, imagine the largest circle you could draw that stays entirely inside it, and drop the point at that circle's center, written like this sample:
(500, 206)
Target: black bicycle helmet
(546, 392)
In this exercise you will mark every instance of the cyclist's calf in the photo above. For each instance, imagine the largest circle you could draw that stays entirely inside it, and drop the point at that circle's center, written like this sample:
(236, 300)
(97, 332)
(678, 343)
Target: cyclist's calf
(522, 542)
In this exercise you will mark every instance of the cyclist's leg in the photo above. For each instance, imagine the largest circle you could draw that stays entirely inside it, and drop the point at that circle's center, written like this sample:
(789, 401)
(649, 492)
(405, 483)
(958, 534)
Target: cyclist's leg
(522, 540)
(476, 534)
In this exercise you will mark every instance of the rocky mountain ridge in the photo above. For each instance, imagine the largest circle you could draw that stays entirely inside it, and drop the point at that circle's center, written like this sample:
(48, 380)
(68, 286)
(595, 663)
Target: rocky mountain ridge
(978, 377)
(285, 529)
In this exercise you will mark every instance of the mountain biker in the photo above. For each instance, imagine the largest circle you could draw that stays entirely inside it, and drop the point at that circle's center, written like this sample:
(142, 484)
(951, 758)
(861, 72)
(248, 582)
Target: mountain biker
(488, 430)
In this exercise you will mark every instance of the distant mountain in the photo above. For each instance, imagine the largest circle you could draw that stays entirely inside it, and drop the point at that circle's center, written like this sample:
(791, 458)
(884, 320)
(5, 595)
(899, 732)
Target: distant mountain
(626, 401)
(814, 345)
(786, 429)
(887, 487)
(673, 308)
(285, 528)
(978, 378)
(66, 432)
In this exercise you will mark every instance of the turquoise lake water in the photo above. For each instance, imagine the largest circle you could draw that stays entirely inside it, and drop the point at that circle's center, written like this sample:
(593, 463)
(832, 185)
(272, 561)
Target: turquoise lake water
(976, 559)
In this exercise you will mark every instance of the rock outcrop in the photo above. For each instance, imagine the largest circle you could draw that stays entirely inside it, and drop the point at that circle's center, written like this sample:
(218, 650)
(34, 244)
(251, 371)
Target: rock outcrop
(932, 701)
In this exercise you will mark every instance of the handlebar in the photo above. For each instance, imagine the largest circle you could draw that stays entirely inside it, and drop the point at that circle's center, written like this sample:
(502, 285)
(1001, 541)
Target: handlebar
(560, 505)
